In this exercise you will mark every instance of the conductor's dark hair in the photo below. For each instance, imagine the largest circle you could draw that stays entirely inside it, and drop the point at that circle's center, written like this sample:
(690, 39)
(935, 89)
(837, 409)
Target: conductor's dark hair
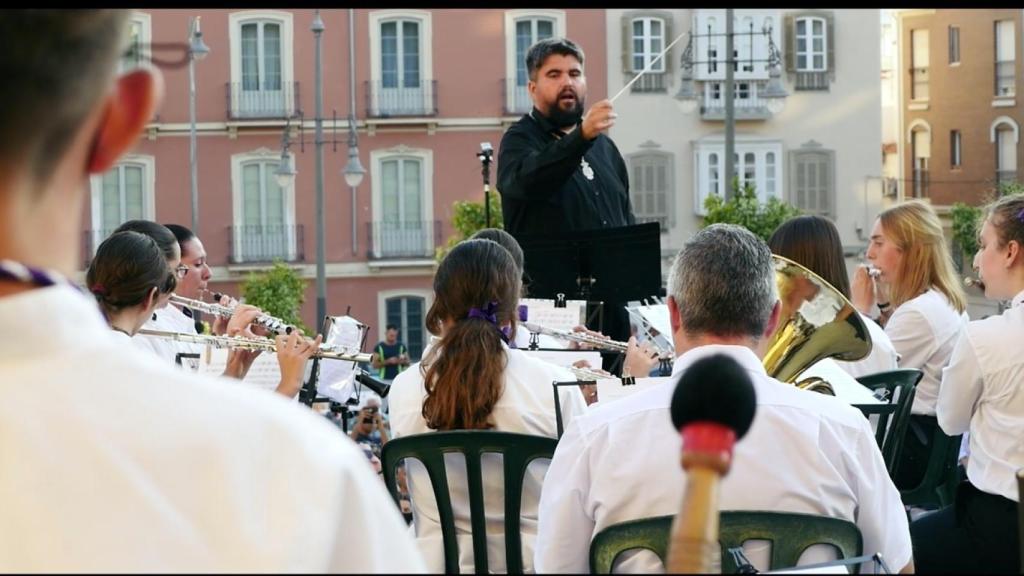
(163, 237)
(541, 49)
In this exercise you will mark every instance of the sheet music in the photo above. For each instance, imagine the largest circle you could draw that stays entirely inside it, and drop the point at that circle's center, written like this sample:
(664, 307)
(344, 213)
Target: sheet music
(657, 316)
(541, 311)
(566, 358)
(337, 377)
(846, 387)
(264, 372)
(612, 389)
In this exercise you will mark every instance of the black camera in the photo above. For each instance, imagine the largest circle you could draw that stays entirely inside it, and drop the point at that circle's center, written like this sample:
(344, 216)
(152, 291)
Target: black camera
(367, 420)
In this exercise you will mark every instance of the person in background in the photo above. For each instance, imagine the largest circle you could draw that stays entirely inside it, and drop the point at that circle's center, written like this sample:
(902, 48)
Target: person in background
(390, 357)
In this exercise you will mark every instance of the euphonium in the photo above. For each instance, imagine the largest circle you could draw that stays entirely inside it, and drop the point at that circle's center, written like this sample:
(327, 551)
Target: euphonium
(816, 322)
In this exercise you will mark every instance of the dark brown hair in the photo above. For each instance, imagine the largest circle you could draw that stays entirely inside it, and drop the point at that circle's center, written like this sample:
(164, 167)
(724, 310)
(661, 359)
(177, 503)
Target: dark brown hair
(127, 266)
(57, 65)
(813, 242)
(464, 372)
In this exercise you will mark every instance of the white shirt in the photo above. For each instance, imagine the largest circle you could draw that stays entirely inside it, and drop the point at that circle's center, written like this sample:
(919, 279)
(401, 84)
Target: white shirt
(983, 391)
(526, 406)
(169, 319)
(805, 452)
(882, 358)
(924, 330)
(114, 463)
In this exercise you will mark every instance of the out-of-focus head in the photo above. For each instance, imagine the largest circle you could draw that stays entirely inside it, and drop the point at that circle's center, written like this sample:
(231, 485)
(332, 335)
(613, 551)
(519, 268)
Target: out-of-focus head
(814, 243)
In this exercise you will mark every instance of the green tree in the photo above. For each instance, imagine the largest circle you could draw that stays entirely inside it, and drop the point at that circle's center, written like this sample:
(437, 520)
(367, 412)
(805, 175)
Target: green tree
(967, 221)
(278, 291)
(468, 219)
(744, 209)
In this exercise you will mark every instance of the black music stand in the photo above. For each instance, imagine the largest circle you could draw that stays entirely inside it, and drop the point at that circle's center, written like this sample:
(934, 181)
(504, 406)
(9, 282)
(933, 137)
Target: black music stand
(611, 265)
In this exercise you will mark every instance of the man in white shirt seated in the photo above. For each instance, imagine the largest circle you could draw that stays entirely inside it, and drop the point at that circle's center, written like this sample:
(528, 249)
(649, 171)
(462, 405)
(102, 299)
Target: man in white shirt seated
(805, 452)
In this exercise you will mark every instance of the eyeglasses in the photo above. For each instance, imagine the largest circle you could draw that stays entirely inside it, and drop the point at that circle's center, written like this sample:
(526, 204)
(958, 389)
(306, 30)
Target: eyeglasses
(180, 271)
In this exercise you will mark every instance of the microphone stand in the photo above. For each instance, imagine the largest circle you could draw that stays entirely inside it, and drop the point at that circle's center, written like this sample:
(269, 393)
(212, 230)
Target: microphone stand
(485, 155)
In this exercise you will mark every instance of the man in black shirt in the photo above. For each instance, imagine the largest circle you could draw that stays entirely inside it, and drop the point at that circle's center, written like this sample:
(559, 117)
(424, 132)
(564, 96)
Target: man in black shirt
(557, 170)
(390, 356)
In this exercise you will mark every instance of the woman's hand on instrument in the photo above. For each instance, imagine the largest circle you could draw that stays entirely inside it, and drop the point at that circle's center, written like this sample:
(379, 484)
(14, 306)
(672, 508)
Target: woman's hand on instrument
(583, 345)
(241, 322)
(863, 291)
(293, 351)
(640, 359)
(220, 323)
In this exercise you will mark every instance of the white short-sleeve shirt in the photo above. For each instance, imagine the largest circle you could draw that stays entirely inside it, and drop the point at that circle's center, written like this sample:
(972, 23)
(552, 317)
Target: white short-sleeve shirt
(112, 462)
(805, 452)
(526, 406)
(983, 392)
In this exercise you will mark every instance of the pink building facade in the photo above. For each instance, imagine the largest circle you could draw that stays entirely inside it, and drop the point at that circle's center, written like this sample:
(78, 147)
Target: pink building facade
(430, 86)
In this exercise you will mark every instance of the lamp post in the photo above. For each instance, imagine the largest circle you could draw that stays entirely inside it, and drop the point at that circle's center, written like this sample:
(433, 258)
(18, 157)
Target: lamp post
(197, 50)
(317, 27)
(354, 170)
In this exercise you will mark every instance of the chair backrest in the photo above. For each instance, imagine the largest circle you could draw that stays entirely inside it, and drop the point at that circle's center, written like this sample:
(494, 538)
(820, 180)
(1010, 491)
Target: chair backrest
(518, 451)
(789, 533)
(1020, 512)
(900, 387)
(938, 485)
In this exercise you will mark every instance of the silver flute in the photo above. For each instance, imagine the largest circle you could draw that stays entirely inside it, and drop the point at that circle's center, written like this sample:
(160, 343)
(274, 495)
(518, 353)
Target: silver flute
(586, 374)
(584, 338)
(272, 323)
(262, 344)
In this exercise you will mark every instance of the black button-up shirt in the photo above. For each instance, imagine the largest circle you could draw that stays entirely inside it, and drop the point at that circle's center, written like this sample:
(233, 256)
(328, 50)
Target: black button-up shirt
(542, 184)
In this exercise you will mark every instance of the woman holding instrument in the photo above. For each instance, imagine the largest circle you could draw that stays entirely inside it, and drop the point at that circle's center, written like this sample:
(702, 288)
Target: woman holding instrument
(928, 312)
(981, 392)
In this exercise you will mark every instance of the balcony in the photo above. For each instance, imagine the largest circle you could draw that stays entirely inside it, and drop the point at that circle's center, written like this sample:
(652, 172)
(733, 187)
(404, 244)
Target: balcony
(516, 98)
(809, 81)
(265, 244)
(919, 83)
(650, 83)
(402, 240)
(406, 101)
(747, 102)
(262, 104)
(1006, 79)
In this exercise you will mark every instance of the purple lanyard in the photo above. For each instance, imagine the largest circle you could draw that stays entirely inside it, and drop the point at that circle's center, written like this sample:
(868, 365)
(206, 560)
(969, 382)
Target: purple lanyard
(18, 272)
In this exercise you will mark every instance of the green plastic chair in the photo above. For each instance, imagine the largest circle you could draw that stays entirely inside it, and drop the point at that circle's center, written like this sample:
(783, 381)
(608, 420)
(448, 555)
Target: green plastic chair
(789, 533)
(518, 451)
(900, 387)
(937, 488)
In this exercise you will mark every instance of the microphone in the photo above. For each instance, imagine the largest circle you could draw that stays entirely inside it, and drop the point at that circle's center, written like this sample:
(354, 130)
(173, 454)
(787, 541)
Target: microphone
(713, 406)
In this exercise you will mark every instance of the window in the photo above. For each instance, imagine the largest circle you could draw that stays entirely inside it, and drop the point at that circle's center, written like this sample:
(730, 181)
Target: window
(522, 29)
(402, 224)
(407, 312)
(954, 44)
(1005, 76)
(264, 213)
(139, 34)
(400, 64)
(919, 64)
(750, 51)
(261, 65)
(125, 192)
(921, 154)
(813, 179)
(1006, 152)
(651, 187)
(648, 42)
(810, 44)
(955, 159)
(754, 163)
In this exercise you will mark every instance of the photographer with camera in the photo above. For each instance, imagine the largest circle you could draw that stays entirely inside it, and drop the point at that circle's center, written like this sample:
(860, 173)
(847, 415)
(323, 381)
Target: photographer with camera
(369, 427)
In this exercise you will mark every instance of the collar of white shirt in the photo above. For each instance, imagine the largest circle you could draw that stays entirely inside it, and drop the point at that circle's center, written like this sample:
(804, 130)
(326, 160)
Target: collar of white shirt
(1017, 300)
(745, 356)
(52, 318)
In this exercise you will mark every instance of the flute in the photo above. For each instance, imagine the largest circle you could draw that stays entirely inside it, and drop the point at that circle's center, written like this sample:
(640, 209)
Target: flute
(272, 323)
(261, 344)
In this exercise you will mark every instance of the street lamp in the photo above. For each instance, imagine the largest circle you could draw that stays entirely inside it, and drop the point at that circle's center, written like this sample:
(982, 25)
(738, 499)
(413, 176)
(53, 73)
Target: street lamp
(197, 50)
(317, 27)
(354, 170)
(285, 172)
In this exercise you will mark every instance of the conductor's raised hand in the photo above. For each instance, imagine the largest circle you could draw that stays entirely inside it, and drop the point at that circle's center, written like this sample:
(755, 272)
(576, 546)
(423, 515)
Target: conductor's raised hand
(598, 119)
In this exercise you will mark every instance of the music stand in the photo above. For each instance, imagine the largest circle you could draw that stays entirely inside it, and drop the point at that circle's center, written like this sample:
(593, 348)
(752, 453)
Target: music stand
(612, 265)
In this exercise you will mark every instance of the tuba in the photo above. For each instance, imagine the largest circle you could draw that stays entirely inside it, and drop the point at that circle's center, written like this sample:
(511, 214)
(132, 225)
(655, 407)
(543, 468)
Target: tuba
(816, 322)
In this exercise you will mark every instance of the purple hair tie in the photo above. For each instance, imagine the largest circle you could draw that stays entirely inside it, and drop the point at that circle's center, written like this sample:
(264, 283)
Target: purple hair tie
(523, 312)
(1020, 216)
(486, 313)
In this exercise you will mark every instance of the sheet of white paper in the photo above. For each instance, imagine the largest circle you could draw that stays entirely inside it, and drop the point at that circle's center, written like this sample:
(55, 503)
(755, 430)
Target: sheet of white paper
(543, 312)
(264, 372)
(846, 387)
(657, 316)
(612, 389)
(567, 358)
(336, 377)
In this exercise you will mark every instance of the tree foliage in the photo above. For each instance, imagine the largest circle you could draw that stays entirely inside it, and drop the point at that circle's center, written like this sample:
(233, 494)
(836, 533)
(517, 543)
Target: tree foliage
(744, 209)
(468, 219)
(278, 291)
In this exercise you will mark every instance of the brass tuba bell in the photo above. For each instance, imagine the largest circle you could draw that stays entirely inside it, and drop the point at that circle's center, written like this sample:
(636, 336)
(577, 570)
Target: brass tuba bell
(816, 322)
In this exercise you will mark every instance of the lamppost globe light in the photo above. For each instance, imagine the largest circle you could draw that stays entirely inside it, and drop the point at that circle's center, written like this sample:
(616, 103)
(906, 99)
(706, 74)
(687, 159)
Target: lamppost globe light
(686, 98)
(197, 48)
(354, 170)
(285, 172)
(775, 105)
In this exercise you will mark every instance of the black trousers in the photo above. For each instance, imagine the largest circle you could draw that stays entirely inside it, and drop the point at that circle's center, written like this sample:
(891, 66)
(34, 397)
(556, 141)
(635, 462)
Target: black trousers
(917, 448)
(978, 533)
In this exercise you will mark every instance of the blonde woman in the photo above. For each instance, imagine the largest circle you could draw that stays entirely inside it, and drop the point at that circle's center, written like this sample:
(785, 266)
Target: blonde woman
(923, 313)
(981, 393)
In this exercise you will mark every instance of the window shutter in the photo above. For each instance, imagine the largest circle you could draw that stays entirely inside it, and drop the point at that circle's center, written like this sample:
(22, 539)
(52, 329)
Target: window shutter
(627, 43)
(790, 44)
(831, 33)
(670, 63)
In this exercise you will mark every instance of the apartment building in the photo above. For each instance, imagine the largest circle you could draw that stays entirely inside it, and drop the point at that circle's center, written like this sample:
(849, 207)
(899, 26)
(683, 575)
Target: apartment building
(430, 86)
